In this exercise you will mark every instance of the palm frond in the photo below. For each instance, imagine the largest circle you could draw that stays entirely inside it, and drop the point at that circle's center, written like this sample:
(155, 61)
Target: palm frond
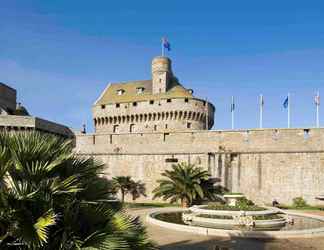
(42, 226)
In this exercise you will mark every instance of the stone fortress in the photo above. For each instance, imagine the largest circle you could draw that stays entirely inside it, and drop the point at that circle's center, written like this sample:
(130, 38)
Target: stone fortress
(160, 104)
(15, 117)
(143, 127)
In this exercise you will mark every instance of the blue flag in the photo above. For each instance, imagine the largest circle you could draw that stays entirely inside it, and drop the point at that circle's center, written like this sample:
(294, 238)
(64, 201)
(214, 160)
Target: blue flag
(286, 102)
(166, 43)
(232, 104)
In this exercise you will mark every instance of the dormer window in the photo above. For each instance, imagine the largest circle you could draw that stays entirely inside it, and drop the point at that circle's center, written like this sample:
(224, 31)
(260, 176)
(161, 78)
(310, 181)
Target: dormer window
(140, 90)
(120, 91)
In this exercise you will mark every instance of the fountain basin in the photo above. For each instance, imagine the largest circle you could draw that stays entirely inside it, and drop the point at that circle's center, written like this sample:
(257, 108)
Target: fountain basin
(196, 220)
(201, 209)
(296, 231)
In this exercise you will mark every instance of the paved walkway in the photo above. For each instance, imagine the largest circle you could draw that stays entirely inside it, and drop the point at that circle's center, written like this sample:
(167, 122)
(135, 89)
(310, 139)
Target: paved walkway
(168, 239)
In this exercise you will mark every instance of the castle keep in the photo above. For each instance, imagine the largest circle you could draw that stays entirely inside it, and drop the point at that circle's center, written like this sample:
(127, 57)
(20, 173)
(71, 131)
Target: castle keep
(160, 104)
(143, 127)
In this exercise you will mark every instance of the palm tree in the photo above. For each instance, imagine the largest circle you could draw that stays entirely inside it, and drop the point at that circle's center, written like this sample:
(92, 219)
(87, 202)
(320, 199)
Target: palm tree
(137, 189)
(122, 184)
(51, 199)
(182, 183)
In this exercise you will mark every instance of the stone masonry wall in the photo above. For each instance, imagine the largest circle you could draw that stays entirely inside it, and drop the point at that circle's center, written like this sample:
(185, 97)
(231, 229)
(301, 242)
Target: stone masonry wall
(160, 116)
(263, 164)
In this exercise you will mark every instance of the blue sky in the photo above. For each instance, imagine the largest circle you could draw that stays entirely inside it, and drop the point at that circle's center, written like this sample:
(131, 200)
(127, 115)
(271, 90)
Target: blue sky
(60, 54)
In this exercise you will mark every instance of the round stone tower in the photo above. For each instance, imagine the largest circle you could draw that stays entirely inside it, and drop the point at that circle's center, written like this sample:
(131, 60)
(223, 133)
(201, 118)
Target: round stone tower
(161, 74)
(155, 105)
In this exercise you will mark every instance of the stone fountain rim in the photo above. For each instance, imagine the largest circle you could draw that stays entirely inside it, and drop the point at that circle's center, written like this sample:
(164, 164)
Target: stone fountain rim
(233, 195)
(200, 209)
(305, 233)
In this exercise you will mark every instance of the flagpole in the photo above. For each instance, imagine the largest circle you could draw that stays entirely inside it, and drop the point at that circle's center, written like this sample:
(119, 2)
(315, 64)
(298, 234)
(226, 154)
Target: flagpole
(162, 47)
(317, 110)
(261, 111)
(232, 108)
(288, 110)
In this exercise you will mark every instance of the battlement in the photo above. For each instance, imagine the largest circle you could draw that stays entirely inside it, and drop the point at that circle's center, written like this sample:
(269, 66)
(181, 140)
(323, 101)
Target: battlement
(252, 140)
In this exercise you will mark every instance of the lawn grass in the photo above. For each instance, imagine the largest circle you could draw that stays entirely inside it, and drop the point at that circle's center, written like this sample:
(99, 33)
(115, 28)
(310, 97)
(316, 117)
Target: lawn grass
(148, 205)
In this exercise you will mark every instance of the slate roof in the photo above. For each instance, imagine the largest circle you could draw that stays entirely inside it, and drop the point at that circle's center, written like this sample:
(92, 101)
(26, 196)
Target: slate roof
(130, 94)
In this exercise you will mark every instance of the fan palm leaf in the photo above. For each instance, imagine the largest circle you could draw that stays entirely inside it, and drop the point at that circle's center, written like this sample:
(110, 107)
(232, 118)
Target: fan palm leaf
(52, 199)
(183, 182)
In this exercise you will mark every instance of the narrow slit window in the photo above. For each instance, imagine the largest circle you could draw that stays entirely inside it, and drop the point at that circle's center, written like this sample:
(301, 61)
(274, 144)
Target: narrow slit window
(306, 134)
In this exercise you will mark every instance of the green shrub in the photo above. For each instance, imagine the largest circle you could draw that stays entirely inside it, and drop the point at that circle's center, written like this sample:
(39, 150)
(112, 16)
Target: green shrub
(299, 202)
(234, 208)
(244, 203)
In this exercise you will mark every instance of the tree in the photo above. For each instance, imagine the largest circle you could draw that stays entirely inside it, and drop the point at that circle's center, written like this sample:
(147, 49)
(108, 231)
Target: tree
(183, 182)
(51, 199)
(122, 184)
(137, 189)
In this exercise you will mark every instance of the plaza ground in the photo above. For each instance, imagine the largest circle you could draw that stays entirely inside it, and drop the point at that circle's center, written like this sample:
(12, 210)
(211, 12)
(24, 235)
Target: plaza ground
(168, 239)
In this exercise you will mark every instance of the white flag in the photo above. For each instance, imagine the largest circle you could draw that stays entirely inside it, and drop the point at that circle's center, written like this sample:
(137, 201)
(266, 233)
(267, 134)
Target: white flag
(317, 99)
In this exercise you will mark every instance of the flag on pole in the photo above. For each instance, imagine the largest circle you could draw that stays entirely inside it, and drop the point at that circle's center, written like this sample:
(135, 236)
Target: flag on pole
(232, 111)
(317, 99)
(261, 111)
(232, 104)
(286, 102)
(261, 101)
(317, 103)
(286, 105)
(166, 44)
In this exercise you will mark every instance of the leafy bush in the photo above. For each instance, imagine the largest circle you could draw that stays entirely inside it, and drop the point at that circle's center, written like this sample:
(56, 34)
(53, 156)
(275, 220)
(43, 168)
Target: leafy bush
(52, 199)
(234, 208)
(243, 204)
(299, 202)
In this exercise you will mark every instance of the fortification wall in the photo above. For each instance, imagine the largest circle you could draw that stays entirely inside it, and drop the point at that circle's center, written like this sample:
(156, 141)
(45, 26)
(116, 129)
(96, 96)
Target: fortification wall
(160, 115)
(22, 123)
(263, 163)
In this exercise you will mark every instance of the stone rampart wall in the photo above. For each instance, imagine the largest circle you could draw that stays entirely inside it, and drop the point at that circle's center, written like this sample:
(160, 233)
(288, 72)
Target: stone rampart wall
(265, 164)
(21, 123)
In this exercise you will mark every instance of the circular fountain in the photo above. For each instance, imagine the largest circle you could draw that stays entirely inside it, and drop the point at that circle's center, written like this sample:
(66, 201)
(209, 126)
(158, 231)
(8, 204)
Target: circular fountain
(264, 219)
(239, 217)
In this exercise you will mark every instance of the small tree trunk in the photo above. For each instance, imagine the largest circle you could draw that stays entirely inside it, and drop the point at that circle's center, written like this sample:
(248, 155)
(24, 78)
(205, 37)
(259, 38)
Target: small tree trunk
(122, 195)
(185, 203)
